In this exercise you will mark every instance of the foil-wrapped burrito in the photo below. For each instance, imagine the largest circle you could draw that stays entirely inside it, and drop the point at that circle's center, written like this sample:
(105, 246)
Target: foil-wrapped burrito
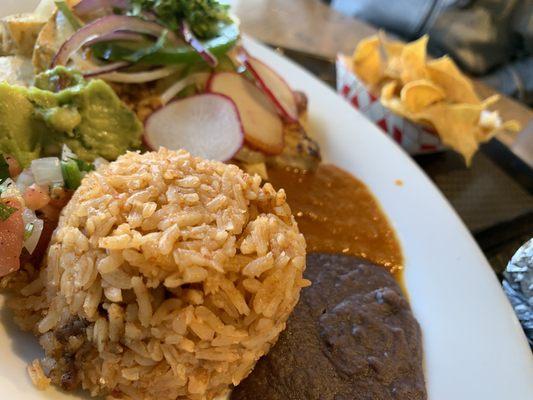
(518, 285)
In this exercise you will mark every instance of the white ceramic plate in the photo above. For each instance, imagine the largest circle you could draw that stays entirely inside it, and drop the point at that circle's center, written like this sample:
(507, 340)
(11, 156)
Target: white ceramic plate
(474, 346)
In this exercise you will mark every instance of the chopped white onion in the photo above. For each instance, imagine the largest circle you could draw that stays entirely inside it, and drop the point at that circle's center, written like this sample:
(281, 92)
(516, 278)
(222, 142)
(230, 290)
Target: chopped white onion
(47, 171)
(67, 154)
(24, 180)
(8, 188)
(29, 217)
(99, 161)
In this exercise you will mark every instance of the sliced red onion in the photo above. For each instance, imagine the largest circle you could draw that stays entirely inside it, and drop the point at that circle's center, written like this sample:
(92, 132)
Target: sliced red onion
(115, 36)
(105, 69)
(110, 74)
(139, 77)
(87, 7)
(177, 87)
(91, 69)
(105, 26)
(197, 45)
(47, 171)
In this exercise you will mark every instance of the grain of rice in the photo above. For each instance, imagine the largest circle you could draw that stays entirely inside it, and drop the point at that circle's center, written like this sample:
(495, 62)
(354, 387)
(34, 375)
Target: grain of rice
(143, 300)
(37, 376)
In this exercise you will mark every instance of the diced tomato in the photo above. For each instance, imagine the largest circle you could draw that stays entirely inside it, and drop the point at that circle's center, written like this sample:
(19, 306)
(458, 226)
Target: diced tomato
(11, 239)
(59, 197)
(36, 197)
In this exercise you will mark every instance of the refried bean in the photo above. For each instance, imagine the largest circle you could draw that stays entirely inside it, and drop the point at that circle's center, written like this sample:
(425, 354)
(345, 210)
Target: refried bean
(352, 336)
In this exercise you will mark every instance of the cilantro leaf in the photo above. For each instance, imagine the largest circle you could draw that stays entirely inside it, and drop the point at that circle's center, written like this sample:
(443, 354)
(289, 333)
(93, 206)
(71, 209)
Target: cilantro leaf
(71, 174)
(83, 165)
(6, 211)
(63, 7)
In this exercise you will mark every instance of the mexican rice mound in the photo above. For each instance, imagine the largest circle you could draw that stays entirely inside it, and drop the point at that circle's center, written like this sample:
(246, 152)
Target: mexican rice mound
(168, 277)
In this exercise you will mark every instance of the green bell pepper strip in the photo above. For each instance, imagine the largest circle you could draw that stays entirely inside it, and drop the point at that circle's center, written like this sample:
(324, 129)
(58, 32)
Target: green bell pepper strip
(218, 46)
(71, 174)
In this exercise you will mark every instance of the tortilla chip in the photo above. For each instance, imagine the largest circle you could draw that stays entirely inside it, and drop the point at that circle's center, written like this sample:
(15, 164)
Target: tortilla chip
(458, 125)
(413, 59)
(434, 93)
(459, 89)
(417, 95)
(392, 52)
(367, 62)
(388, 90)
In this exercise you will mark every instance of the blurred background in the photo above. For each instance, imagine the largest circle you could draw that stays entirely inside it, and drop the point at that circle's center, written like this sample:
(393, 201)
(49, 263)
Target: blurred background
(491, 40)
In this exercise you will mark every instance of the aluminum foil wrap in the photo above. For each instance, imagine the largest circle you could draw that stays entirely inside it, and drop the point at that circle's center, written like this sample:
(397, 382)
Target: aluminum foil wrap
(518, 285)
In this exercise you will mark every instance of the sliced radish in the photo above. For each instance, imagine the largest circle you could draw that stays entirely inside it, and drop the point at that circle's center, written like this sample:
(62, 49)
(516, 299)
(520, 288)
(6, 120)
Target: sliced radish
(302, 102)
(238, 56)
(263, 128)
(275, 87)
(206, 125)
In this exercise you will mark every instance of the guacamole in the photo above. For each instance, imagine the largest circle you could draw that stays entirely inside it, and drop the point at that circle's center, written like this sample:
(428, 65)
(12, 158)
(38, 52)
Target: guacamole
(64, 108)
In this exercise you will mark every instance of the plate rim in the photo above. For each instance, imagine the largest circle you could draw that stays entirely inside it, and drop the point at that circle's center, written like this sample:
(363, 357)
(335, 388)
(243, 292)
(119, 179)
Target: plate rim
(488, 275)
(15, 382)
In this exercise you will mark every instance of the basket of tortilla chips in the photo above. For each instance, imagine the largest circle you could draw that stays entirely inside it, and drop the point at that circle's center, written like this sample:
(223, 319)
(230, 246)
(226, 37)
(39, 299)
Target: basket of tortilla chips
(424, 104)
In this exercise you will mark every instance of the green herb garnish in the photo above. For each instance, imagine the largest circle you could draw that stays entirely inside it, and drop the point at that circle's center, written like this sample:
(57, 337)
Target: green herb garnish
(140, 54)
(71, 174)
(6, 211)
(204, 16)
(69, 15)
(84, 166)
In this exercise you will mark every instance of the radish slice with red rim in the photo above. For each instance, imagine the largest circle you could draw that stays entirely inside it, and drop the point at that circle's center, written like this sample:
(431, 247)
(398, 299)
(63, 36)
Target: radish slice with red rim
(263, 128)
(275, 87)
(206, 125)
(193, 41)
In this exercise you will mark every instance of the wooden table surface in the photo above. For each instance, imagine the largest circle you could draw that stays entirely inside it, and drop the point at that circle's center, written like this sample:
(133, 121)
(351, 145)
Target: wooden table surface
(313, 27)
